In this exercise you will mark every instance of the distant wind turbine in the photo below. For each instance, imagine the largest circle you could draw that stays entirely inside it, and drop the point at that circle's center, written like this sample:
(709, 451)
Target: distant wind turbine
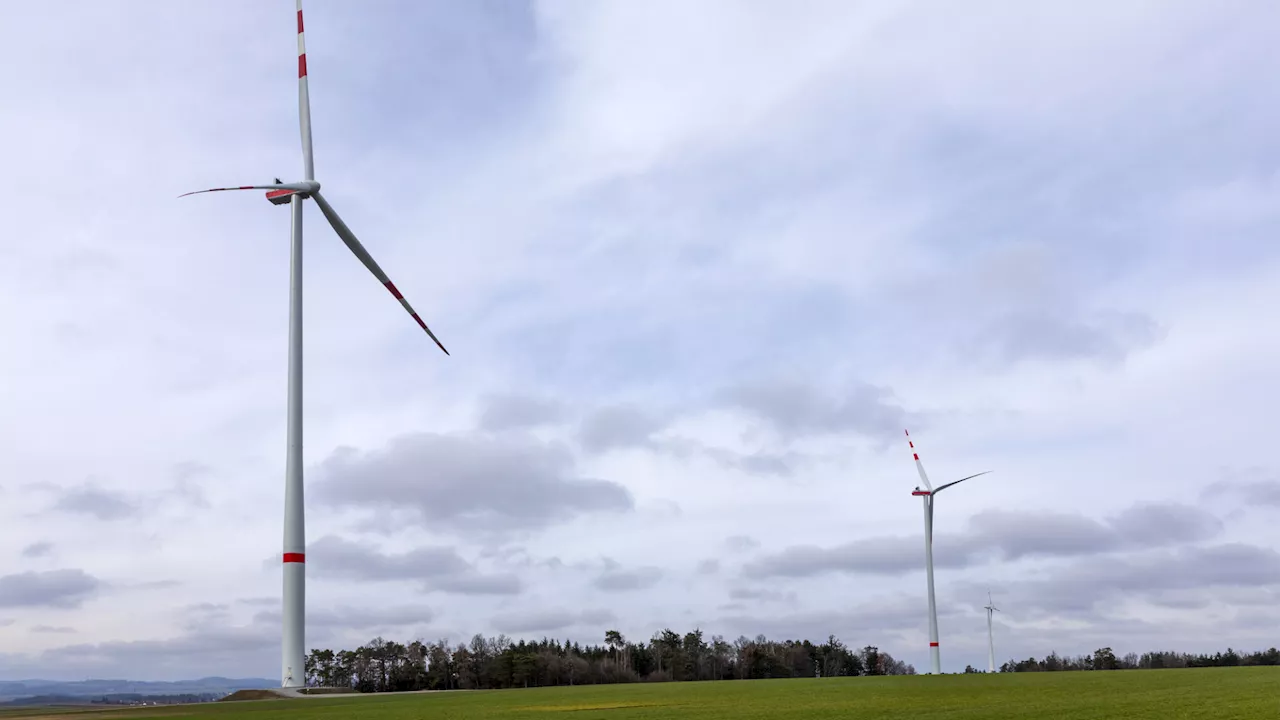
(293, 673)
(935, 657)
(991, 638)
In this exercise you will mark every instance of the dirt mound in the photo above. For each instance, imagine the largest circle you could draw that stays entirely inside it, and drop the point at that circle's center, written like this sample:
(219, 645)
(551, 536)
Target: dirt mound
(251, 695)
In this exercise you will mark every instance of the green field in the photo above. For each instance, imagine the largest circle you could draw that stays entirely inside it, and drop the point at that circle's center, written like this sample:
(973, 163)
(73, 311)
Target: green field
(1242, 693)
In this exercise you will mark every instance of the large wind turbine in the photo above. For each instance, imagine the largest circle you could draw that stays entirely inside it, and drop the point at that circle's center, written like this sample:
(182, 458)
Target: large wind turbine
(293, 194)
(991, 638)
(935, 657)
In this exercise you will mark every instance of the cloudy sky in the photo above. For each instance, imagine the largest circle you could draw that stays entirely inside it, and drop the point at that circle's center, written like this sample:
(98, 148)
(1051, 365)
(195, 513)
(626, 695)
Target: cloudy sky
(698, 265)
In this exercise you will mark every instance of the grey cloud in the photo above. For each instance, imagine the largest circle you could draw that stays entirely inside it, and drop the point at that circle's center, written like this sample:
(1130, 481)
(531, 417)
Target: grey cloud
(514, 412)
(761, 594)
(38, 549)
(756, 463)
(874, 623)
(53, 629)
(618, 426)
(794, 409)
(616, 579)
(741, 543)
(1188, 577)
(103, 504)
(551, 620)
(54, 588)
(999, 534)
(355, 618)
(469, 484)
(710, 566)
(437, 568)
(1040, 335)
(886, 556)
(1262, 489)
(753, 463)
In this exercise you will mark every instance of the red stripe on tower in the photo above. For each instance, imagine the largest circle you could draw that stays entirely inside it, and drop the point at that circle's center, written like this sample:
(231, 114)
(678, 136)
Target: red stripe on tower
(295, 557)
(415, 317)
(933, 644)
(299, 22)
(916, 456)
(391, 286)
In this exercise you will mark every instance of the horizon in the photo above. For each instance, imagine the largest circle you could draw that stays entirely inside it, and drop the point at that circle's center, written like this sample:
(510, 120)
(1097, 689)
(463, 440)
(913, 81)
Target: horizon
(698, 267)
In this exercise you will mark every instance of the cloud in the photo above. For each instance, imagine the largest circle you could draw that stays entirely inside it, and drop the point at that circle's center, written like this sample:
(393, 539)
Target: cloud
(469, 484)
(618, 426)
(1251, 488)
(101, 503)
(346, 618)
(879, 623)
(439, 569)
(1181, 577)
(761, 594)
(546, 621)
(1106, 336)
(1001, 534)
(710, 566)
(65, 589)
(514, 412)
(53, 629)
(800, 409)
(740, 543)
(38, 549)
(615, 579)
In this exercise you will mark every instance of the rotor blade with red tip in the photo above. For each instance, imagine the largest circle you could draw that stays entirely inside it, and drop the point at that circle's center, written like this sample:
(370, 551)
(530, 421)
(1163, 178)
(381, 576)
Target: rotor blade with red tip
(286, 186)
(356, 248)
(304, 103)
(919, 466)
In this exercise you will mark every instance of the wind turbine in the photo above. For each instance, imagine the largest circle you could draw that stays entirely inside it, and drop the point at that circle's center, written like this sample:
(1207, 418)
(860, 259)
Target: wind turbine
(991, 638)
(935, 658)
(293, 194)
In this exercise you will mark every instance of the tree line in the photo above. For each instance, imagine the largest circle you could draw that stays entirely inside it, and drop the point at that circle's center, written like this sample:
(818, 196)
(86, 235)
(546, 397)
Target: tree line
(495, 663)
(1105, 659)
(499, 662)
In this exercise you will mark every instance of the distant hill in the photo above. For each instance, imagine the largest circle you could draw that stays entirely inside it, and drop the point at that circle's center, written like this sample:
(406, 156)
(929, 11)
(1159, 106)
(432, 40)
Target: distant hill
(44, 691)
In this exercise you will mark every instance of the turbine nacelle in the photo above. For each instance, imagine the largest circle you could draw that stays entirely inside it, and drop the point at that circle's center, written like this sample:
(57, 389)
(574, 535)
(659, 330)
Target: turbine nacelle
(284, 195)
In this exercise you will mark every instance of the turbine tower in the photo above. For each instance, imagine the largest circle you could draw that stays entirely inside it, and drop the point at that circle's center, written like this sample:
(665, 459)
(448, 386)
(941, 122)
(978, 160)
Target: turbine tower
(935, 657)
(292, 670)
(991, 638)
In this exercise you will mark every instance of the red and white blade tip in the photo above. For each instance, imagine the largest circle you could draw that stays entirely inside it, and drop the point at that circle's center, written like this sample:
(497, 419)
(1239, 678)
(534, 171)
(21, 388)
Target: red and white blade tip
(395, 292)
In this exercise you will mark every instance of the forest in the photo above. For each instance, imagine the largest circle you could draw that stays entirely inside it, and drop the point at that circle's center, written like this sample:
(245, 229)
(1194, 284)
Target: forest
(495, 663)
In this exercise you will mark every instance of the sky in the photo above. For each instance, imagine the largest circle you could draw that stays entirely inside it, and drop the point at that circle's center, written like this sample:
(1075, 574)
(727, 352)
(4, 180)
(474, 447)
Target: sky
(699, 265)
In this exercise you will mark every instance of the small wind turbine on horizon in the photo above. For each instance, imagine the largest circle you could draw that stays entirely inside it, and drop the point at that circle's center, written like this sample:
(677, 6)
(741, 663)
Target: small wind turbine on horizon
(293, 671)
(935, 656)
(991, 638)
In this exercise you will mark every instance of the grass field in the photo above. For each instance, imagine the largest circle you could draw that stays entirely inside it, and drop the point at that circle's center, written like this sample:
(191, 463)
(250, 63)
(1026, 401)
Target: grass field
(1243, 693)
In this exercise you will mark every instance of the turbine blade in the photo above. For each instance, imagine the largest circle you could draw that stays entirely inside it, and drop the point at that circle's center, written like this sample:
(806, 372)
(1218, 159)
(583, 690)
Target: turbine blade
(242, 187)
(304, 104)
(358, 250)
(957, 482)
(290, 187)
(919, 466)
